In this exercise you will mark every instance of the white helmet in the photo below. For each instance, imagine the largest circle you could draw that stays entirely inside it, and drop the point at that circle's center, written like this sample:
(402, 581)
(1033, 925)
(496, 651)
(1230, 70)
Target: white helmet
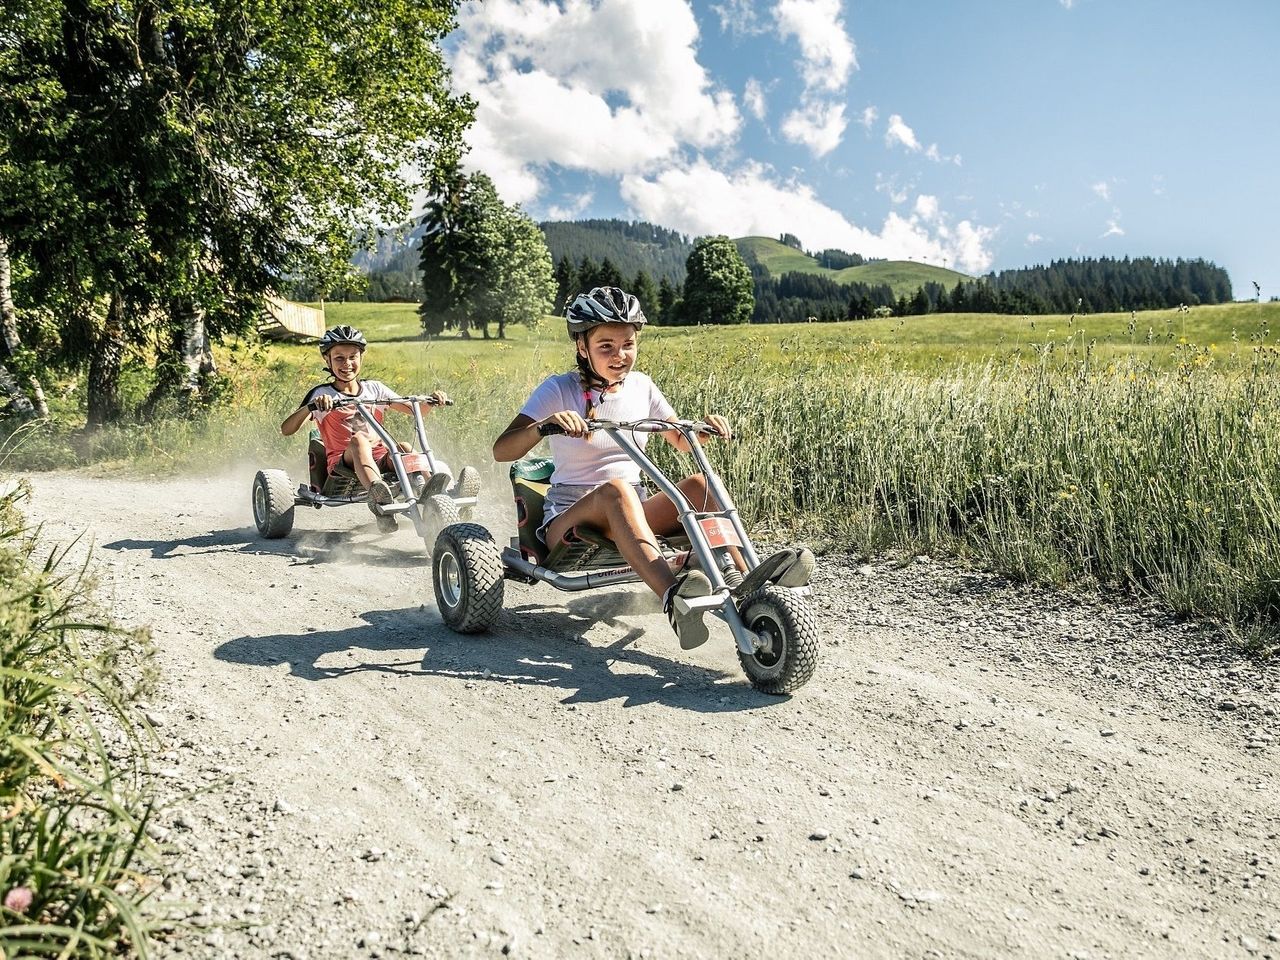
(603, 305)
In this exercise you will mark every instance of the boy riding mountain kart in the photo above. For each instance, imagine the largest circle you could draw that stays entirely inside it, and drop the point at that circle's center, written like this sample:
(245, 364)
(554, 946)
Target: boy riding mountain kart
(352, 458)
(586, 519)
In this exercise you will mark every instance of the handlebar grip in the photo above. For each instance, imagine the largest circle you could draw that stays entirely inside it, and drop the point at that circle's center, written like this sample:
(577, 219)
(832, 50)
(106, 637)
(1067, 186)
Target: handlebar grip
(550, 429)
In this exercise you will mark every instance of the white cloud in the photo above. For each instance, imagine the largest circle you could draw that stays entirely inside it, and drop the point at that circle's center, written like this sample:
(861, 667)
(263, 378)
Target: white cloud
(827, 59)
(927, 207)
(827, 50)
(550, 90)
(753, 98)
(1157, 184)
(900, 133)
(573, 208)
(1102, 189)
(889, 187)
(869, 117)
(752, 201)
(819, 126)
(738, 17)
(1067, 4)
(1033, 238)
(1113, 229)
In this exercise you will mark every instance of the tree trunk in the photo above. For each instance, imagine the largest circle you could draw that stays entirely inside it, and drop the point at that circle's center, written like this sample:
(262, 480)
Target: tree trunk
(104, 366)
(26, 407)
(17, 399)
(197, 357)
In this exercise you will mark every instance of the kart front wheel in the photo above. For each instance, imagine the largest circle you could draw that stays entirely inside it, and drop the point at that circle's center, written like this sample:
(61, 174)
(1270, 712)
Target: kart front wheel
(272, 503)
(466, 571)
(789, 640)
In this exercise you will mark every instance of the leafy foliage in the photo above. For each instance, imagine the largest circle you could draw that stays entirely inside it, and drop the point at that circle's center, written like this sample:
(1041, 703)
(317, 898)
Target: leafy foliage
(481, 261)
(718, 288)
(180, 156)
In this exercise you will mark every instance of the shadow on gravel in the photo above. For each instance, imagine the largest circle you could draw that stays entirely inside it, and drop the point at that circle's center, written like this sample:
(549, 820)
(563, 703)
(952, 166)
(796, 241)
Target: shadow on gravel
(528, 651)
(305, 547)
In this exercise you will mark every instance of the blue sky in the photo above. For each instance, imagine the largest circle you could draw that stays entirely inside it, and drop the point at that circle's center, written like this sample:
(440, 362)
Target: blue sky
(979, 136)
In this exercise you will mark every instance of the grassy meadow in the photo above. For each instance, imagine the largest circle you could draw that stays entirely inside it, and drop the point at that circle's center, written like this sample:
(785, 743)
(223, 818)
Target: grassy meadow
(1132, 451)
(904, 277)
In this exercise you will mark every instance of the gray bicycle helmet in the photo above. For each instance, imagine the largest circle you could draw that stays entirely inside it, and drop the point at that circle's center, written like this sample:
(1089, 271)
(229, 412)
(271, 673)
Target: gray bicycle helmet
(341, 334)
(602, 305)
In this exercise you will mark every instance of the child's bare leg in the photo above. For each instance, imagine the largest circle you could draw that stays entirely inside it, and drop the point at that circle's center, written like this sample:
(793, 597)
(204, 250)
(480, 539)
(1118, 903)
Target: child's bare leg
(615, 510)
(359, 457)
(664, 518)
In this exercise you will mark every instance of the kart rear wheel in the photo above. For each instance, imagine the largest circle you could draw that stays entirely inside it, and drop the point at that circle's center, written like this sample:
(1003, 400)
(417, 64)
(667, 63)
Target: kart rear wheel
(789, 633)
(438, 512)
(466, 571)
(272, 504)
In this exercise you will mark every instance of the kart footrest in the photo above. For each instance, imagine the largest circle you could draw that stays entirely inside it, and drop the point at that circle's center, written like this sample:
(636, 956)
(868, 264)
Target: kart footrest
(583, 548)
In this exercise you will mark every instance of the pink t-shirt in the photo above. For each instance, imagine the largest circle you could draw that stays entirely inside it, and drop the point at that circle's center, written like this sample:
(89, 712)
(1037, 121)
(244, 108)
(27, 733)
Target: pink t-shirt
(337, 426)
(596, 459)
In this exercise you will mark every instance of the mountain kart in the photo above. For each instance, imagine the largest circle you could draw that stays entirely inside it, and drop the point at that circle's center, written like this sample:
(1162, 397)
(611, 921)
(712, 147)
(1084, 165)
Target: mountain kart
(422, 486)
(773, 626)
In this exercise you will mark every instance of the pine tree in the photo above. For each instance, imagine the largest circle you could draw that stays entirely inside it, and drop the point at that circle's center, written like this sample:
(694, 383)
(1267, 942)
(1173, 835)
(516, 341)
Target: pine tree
(642, 286)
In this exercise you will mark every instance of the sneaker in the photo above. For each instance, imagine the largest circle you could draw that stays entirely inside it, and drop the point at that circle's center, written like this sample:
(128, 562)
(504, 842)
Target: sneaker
(380, 496)
(436, 483)
(799, 571)
(765, 571)
(688, 626)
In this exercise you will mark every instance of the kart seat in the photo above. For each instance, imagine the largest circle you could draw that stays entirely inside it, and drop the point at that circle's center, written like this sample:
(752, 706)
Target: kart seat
(342, 482)
(583, 547)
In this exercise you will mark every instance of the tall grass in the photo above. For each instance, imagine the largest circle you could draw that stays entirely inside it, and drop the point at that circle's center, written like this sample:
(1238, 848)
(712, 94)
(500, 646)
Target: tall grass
(74, 873)
(1163, 483)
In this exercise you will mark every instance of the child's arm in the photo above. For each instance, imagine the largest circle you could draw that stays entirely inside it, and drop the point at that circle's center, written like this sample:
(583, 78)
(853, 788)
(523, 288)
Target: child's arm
(677, 439)
(440, 398)
(318, 401)
(522, 435)
(295, 420)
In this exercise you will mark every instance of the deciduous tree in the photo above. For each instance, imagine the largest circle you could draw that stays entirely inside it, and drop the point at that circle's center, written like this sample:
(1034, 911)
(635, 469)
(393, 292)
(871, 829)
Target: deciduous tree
(718, 288)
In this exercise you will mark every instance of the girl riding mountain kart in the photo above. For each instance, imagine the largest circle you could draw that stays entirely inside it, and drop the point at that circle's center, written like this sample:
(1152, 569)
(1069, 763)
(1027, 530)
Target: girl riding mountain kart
(586, 520)
(352, 457)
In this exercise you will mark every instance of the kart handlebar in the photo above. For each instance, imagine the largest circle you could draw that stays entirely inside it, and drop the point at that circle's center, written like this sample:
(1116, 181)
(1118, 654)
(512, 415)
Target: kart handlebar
(429, 401)
(635, 426)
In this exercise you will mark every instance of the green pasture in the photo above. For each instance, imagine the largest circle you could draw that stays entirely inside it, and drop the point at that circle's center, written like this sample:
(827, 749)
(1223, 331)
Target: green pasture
(903, 276)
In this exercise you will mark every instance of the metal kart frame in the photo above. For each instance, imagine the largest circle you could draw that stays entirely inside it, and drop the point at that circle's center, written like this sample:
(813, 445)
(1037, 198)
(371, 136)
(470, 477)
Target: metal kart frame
(710, 532)
(404, 463)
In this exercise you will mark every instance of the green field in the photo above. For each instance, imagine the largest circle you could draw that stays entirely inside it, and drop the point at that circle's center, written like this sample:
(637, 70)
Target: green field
(903, 276)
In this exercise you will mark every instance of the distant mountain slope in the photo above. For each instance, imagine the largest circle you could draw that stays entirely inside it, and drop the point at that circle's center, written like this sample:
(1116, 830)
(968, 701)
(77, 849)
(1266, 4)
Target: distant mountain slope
(631, 245)
(903, 276)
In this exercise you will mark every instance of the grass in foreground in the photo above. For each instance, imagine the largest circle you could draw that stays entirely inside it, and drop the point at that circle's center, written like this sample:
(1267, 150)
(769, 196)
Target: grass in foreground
(73, 872)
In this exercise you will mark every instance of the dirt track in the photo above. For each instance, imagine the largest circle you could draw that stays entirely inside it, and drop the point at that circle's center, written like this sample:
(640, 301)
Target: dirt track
(976, 770)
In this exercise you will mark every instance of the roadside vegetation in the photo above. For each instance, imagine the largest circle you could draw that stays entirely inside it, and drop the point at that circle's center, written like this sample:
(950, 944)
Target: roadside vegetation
(1137, 452)
(76, 870)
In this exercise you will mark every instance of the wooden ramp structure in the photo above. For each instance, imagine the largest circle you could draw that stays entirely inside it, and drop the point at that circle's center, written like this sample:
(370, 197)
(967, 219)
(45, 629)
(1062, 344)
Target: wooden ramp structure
(286, 320)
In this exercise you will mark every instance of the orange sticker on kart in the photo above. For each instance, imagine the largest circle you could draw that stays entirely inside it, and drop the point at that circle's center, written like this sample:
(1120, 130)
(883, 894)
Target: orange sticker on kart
(415, 463)
(719, 532)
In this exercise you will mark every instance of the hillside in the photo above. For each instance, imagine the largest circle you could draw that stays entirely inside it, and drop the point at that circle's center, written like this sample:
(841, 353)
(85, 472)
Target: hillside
(632, 246)
(903, 276)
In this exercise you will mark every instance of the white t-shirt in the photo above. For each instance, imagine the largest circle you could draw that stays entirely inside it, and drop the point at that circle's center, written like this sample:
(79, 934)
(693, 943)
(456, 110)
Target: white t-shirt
(596, 459)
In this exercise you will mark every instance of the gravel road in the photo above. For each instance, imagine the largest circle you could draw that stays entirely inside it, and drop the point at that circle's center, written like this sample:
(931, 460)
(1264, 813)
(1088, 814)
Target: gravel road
(976, 769)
